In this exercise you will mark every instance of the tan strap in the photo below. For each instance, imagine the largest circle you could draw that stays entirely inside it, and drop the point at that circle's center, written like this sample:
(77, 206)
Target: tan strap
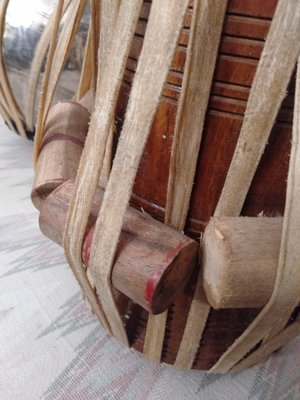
(109, 12)
(273, 73)
(195, 325)
(36, 67)
(289, 280)
(155, 335)
(6, 92)
(269, 347)
(204, 39)
(205, 34)
(86, 77)
(94, 38)
(153, 66)
(89, 70)
(104, 16)
(108, 17)
(92, 159)
(274, 70)
(61, 51)
(64, 44)
(41, 115)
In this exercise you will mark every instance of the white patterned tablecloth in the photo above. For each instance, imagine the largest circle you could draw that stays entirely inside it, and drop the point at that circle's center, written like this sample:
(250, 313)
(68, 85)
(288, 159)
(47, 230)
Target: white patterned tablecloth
(52, 348)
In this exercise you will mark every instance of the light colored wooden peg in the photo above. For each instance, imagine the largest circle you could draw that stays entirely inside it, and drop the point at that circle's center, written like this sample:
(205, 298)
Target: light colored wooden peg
(239, 260)
(153, 262)
(65, 132)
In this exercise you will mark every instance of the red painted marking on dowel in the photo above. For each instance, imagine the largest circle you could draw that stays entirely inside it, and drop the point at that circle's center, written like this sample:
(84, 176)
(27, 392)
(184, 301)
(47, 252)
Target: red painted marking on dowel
(156, 276)
(173, 252)
(152, 283)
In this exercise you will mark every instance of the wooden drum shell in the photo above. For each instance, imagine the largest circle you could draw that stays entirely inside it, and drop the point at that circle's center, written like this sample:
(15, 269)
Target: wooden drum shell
(245, 28)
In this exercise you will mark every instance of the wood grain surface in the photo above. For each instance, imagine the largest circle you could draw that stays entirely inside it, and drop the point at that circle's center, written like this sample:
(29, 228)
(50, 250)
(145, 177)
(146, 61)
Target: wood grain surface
(244, 31)
(153, 262)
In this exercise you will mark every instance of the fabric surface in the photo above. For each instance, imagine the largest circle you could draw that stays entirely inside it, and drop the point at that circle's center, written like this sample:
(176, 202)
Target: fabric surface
(52, 347)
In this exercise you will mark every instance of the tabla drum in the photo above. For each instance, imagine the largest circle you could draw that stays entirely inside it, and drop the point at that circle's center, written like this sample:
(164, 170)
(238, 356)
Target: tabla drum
(244, 29)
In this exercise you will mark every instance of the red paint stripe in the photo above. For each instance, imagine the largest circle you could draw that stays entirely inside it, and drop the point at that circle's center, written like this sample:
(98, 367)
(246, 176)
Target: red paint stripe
(173, 252)
(152, 283)
(157, 274)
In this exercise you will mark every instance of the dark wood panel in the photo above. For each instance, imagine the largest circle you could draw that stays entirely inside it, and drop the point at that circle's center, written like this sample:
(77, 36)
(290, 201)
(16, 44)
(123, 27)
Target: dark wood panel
(236, 70)
(249, 48)
(230, 90)
(253, 8)
(245, 28)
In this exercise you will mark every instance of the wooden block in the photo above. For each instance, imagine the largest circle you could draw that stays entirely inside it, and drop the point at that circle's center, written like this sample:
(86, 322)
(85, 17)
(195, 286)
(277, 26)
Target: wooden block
(153, 261)
(65, 131)
(239, 260)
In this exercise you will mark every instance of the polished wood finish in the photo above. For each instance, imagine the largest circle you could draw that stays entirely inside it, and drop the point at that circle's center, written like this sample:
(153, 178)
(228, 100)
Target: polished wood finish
(245, 28)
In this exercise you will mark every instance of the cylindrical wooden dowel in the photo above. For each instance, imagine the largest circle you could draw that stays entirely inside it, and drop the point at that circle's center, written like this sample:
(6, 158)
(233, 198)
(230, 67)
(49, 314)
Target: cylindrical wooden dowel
(239, 260)
(153, 261)
(65, 131)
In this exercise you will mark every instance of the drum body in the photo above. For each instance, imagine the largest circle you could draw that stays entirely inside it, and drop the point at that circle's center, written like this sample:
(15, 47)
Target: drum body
(245, 28)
